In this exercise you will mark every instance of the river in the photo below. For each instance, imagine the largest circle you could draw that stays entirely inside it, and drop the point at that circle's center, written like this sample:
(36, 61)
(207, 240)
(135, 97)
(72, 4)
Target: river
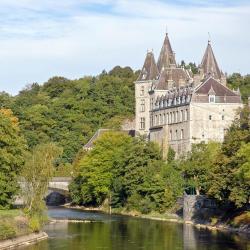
(115, 232)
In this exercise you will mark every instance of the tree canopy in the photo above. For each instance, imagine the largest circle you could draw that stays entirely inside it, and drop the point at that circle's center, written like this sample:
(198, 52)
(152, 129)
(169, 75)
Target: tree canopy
(12, 147)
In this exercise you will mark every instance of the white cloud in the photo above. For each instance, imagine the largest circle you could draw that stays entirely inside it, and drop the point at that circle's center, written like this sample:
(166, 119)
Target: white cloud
(51, 37)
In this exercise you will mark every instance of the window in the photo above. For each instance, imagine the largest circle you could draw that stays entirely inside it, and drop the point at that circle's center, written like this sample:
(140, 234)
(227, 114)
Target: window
(211, 98)
(171, 117)
(223, 117)
(182, 134)
(176, 134)
(186, 115)
(142, 123)
(167, 118)
(151, 121)
(160, 116)
(151, 103)
(142, 91)
(164, 118)
(170, 135)
(181, 116)
(177, 116)
(156, 120)
(210, 117)
(142, 105)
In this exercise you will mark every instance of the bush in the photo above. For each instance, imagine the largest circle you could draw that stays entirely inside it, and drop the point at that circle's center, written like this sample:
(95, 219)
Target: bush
(7, 231)
(35, 224)
(146, 206)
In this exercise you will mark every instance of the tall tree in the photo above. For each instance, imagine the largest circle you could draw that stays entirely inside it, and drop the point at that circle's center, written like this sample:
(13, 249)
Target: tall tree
(37, 172)
(12, 147)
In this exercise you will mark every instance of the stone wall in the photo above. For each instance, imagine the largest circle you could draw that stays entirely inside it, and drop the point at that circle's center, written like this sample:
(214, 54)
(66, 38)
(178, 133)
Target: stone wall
(198, 208)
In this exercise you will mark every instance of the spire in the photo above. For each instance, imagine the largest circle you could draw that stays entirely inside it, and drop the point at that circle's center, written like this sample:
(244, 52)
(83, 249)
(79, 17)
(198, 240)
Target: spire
(167, 56)
(209, 64)
(149, 70)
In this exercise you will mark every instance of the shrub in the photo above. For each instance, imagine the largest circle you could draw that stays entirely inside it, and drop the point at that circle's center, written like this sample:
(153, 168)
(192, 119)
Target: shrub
(7, 231)
(35, 224)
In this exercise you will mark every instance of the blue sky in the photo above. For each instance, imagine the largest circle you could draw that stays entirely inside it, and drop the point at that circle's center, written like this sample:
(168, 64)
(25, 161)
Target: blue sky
(72, 38)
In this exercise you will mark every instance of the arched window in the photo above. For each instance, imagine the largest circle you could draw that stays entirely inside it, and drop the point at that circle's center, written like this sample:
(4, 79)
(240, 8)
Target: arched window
(170, 135)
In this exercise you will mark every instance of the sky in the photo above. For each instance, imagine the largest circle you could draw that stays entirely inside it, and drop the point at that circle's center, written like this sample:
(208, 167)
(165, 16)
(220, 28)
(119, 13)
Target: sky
(40, 39)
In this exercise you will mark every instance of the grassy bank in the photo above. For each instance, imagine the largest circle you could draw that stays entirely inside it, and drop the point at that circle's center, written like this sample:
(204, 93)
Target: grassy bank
(13, 223)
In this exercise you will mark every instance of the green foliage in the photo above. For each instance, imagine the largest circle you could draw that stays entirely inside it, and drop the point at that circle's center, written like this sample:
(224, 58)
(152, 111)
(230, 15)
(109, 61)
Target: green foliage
(230, 175)
(127, 170)
(37, 172)
(192, 66)
(35, 223)
(197, 164)
(236, 81)
(69, 112)
(7, 231)
(171, 155)
(12, 147)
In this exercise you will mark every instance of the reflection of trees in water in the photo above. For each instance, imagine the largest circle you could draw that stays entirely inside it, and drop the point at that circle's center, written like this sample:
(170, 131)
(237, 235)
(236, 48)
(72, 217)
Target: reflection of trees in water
(126, 233)
(204, 239)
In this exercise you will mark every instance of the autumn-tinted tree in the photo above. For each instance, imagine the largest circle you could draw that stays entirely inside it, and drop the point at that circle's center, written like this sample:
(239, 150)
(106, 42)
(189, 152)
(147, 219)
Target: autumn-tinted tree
(12, 147)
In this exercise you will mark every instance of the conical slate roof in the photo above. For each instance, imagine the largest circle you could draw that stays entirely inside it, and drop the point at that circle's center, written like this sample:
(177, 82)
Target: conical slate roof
(167, 56)
(209, 64)
(149, 70)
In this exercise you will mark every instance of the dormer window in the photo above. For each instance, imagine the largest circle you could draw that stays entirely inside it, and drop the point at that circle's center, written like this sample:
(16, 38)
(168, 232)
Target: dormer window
(211, 98)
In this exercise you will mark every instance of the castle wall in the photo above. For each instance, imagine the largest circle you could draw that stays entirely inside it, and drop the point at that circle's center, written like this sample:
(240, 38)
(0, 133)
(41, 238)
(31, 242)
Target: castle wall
(176, 123)
(210, 121)
(142, 106)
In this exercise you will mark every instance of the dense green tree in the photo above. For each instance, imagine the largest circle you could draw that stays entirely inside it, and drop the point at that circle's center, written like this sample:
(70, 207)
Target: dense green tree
(229, 176)
(69, 112)
(12, 147)
(125, 170)
(197, 164)
(236, 81)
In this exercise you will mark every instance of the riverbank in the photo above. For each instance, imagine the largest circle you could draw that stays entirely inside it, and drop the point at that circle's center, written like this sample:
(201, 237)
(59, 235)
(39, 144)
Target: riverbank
(24, 240)
(241, 228)
(16, 230)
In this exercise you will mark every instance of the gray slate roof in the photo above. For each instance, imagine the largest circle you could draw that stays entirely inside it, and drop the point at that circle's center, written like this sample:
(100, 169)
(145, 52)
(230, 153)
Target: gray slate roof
(166, 57)
(149, 70)
(209, 64)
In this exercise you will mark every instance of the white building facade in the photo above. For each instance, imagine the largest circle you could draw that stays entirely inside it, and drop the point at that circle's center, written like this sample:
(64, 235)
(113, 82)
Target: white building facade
(176, 108)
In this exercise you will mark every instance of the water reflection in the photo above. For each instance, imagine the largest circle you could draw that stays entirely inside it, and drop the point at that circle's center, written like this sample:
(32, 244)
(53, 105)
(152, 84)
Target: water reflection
(126, 233)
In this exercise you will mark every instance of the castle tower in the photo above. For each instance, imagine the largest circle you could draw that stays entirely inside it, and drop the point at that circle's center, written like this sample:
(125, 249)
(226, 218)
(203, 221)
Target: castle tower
(167, 56)
(143, 84)
(209, 65)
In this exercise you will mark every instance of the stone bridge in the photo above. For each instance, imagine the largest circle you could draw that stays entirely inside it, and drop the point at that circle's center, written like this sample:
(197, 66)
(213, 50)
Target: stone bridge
(58, 191)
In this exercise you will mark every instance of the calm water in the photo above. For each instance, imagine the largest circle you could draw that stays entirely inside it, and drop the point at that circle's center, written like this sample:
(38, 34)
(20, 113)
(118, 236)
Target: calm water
(126, 233)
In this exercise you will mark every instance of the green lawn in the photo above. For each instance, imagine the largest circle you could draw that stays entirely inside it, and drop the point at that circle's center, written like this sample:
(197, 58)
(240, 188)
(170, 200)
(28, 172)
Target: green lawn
(10, 213)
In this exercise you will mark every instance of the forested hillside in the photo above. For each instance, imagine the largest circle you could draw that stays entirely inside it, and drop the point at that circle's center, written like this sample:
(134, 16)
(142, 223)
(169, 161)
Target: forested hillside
(68, 112)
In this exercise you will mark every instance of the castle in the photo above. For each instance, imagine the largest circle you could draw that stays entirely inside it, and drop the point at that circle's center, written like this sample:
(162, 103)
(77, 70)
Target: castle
(177, 108)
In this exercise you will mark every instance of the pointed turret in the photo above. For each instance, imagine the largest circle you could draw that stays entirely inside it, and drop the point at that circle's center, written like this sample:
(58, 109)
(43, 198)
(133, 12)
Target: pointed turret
(209, 66)
(167, 56)
(149, 70)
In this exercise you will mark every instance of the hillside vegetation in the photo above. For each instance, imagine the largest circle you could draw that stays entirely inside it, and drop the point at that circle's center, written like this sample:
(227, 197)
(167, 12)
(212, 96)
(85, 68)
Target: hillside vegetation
(68, 112)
